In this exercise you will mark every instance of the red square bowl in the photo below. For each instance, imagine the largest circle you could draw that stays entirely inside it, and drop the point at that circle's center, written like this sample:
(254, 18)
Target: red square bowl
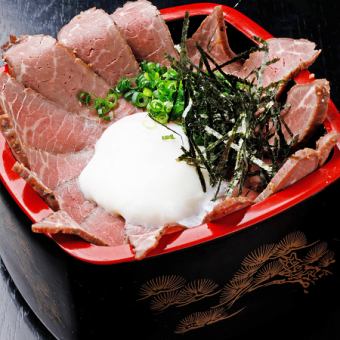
(35, 208)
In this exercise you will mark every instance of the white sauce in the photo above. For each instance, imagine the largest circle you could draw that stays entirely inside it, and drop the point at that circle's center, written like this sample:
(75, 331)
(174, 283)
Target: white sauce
(135, 173)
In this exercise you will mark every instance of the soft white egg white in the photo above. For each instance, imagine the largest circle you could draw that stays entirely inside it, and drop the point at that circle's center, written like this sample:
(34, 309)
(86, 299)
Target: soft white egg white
(135, 173)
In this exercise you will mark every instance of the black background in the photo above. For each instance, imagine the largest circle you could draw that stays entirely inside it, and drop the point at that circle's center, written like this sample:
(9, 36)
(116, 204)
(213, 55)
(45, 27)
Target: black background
(317, 20)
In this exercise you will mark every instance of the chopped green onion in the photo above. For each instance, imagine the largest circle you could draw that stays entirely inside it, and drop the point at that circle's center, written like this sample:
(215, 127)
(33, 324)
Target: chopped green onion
(178, 108)
(84, 98)
(155, 106)
(170, 74)
(168, 137)
(242, 86)
(156, 94)
(156, 88)
(162, 70)
(123, 85)
(166, 89)
(146, 76)
(139, 100)
(171, 85)
(103, 106)
(112, 98)
(108, 118)
(142, 81)
(168, 106)
(147, 92)
(160, 117)
(148, 66)
(128, 95)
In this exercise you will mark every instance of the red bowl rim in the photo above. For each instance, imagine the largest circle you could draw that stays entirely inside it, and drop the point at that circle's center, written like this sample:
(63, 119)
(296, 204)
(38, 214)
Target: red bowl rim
(36, 209)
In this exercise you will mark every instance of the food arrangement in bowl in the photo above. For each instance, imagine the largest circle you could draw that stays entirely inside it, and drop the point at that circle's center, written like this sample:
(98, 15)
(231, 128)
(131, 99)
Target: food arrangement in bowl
(128, 137)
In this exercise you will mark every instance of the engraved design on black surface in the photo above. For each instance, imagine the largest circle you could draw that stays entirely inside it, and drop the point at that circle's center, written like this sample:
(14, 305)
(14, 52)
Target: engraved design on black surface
(193, 291)
(161, 284)
(290, 261)
(201, 319)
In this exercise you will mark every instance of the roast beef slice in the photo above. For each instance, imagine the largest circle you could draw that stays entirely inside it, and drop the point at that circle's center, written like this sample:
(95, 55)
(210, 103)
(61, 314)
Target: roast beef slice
(299, 165)
(306, 109)
(144, 239)
(293, 56)
(107, 230)
(325, 145)
(44, 192)
(145, 31)
(42, 124)
(39, 62)
(94, 37)
(212, 37)
(7, 129)
(61, 222)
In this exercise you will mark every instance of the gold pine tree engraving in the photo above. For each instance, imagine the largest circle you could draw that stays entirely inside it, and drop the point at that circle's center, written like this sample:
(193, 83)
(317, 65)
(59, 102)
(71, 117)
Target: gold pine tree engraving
(291, 261)
(163, 301)
(161, 284)
(201, 319)
(197, 290)
(192, 292)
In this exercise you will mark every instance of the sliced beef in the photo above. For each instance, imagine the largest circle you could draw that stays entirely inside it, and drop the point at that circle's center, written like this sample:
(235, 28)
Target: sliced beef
(145, 31)
(108, 232)
(55, 169)
(325, 145)
(109, 227)
(306, 109)
(144, 239)
(249, 193)
(58, 145)
(71, 199)
(43, 125)
(90, 222)
(61, 222)
(299, 165)
(8, 131)
(49, 68)
(294, 56)
(212, 37)
(124, 108)
(253, 184)
(69, 138)
(228, 206)
(93, 37)
(45, 193)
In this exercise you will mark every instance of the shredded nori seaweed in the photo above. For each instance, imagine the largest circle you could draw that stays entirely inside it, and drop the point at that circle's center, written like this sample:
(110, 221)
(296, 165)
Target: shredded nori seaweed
(233, 125)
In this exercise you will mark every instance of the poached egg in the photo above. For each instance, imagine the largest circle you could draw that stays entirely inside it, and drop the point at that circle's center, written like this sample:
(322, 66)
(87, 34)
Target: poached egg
(135, 172)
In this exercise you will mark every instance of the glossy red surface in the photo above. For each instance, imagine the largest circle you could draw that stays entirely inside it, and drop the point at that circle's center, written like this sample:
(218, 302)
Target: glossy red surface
(35, 208)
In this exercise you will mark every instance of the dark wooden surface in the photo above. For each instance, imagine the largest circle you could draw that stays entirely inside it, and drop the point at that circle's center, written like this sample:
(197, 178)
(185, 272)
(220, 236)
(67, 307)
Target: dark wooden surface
(317, 20)
(17, 321)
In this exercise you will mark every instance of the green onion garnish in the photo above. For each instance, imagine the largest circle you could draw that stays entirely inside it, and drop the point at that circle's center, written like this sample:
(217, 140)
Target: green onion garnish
(168, 106)
(103, 107)
(84, 98)
(168, 137)
(156, 87)
(155, 106)
(147, 92)
(160, 117)
(138, 99)
(123, 86)
(112, 98)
